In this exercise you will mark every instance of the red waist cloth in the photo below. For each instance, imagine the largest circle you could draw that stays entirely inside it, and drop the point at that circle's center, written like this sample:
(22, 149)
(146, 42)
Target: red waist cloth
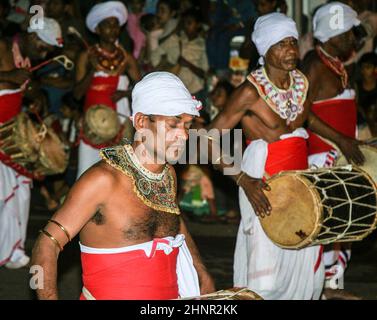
(339, 114)
(287, 154)
(10, 106)
(131, 275)
(100, 91)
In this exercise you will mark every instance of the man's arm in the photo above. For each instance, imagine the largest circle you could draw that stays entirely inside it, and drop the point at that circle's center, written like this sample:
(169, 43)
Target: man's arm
(84, 75)
(82, 202)
(239, 103)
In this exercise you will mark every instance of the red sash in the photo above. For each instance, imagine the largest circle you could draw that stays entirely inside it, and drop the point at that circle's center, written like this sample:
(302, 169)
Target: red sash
(100, 91)
(340, 114)
(287, 154)
(131, 275)
(10, 106)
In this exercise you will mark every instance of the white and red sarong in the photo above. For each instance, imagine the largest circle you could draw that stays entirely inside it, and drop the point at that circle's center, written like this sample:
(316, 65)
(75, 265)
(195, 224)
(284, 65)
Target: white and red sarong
(103, 86)
(273, 272)
(14, 187)
(161, 269)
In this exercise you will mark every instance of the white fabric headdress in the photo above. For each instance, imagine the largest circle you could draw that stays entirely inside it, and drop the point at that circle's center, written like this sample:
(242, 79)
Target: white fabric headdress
(49, 32)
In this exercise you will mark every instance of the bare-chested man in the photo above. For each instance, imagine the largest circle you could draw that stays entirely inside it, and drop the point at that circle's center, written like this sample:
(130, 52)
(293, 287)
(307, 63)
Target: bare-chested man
(334, 103)
(101, 73)
(16, 57)
(132, 238)
(272, 106)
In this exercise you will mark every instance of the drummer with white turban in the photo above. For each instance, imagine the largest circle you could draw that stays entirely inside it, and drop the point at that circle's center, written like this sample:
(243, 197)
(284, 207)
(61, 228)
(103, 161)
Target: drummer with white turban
(134, 243)
(17, 56)
(334, 105)
(272, 107)
(101, 75)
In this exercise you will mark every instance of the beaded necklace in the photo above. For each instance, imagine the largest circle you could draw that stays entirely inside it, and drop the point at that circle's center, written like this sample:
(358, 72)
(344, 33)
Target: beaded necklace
(110, 61)
(288, 104)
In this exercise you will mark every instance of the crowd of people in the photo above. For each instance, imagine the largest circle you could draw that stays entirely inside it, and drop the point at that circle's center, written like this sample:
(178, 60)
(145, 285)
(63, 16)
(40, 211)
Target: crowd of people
(106, 51)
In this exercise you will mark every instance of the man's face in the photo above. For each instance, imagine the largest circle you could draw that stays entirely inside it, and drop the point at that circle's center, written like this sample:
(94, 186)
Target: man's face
(219, 98)
(109, 30)
(368, 70)
(266, 6)
(191, 26)
(38, 49)
(55, 9)
(164, 14)
(167, 136)
(284, 55)
(344, 44)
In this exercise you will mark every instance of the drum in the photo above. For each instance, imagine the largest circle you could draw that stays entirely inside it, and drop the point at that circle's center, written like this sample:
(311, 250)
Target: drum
(101, 124)
(230, 294)
(53, 155)
(320, 207)
(370, 154)
(17, 140)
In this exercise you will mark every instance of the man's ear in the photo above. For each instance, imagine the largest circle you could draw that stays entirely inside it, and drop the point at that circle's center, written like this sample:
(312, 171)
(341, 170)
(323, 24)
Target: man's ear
(139, 121)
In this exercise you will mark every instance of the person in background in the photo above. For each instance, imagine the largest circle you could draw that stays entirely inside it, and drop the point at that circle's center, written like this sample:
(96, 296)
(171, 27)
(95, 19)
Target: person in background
(136, 8)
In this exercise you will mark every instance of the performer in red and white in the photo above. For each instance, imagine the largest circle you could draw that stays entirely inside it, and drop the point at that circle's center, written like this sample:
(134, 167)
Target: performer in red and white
(101, 73)
(134, 244)
(334, 104)
(15, 180)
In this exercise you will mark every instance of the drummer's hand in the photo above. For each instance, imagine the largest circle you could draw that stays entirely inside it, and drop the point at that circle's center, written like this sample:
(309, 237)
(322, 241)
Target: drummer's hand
(119, 94)
(350, 149)
(207, 284)
(19, 76)
(254, 192)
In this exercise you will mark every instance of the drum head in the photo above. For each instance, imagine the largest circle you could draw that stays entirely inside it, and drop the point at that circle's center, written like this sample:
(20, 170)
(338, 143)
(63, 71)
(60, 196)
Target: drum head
(103, 122)
(370, 154)
(296, 211)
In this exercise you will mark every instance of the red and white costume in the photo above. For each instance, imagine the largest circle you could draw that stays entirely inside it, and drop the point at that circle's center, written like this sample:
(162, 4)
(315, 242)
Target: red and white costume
(161, 269)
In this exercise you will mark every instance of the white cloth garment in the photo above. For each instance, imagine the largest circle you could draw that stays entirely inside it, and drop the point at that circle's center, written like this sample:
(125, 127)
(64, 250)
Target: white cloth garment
(188, 281)
(332, 20)
(88, 156)
(14, 211)
(271, 29)
(50, 32)
(106, 10)
(163, 93)
(260, 265)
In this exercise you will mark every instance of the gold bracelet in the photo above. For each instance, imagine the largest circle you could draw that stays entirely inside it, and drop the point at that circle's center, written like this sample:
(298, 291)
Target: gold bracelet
(61, 227)
(239, 178)
(52, 238)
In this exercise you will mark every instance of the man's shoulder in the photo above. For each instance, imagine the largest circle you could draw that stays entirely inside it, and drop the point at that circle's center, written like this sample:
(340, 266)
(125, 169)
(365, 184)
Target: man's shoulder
(311, 62)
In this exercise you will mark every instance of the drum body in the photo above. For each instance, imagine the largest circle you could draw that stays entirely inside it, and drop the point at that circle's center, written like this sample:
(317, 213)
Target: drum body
(320, 207)
(18, 140)
(230, 294)
(101, 124)
(370, 165)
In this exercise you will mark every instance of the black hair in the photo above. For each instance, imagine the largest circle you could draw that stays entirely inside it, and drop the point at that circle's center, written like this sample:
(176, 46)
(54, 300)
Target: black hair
(147, 22)
(226, 85)
(172, 4)
(370, 58)
(193, 13)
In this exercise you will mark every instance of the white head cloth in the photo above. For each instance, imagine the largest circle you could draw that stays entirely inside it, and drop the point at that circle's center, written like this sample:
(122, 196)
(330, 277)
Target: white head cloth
(50, 32)
(271, 29)
(163, 93)
(332, 20)
(106, 10)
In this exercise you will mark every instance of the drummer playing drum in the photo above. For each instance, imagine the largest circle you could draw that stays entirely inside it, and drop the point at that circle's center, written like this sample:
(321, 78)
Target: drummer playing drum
(101, 72)
(17, 56)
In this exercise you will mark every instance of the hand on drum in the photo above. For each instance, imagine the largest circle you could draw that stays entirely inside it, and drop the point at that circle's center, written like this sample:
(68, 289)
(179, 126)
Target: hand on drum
(254, 192)
(350, 149)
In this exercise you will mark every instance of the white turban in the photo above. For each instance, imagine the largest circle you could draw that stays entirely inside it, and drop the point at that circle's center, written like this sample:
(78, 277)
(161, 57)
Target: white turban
(106, 10)
(332, 20)
(49, 32)
(271, 29)
(163, 93)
